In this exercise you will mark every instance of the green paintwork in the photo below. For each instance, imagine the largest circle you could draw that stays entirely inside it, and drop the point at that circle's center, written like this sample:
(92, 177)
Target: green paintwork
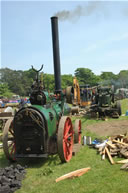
(61, 108)
(56, 109)
(47, 97)
(66, 109)
(50, 123)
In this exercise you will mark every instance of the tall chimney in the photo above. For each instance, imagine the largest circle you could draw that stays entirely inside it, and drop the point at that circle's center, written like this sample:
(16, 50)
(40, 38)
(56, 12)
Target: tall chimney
(56, 54)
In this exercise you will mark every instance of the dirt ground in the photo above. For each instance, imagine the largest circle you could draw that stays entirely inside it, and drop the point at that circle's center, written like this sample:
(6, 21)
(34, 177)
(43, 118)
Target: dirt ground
(109, 128)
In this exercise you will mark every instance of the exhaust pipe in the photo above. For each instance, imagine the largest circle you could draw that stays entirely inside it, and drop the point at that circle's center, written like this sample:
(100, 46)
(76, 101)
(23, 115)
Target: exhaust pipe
(56, 54)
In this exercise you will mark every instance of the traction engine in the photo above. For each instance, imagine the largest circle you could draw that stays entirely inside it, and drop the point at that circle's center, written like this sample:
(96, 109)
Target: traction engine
(44, 127)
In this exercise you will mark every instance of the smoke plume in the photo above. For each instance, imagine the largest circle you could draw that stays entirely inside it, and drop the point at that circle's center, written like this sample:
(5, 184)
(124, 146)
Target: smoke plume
(94, 7)
(79, 11)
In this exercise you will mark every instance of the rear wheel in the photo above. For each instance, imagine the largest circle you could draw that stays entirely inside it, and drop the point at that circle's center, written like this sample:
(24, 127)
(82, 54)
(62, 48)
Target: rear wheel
(8, 140)
(65, 139)
(77, 131)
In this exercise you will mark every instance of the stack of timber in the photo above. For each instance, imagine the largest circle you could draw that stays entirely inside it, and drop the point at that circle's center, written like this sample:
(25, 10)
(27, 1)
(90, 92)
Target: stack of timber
(116, 146)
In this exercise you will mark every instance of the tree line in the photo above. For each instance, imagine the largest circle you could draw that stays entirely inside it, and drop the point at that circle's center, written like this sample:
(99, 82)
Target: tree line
(19, 82)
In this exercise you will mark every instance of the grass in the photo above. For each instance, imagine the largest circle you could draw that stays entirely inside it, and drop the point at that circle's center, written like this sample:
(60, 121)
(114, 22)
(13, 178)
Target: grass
(124, 105)
(102, 178)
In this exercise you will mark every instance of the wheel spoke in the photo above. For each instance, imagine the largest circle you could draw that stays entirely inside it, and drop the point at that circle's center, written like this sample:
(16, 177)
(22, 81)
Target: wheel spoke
(69, 135)
(13, 149)
(64, 148)
(69, 142)
(67, 147)
(67, 152)
(10, 144)
(11, 132)
(67, 128)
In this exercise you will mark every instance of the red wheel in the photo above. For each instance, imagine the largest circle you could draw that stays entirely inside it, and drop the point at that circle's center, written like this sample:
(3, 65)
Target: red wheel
(65, 139)
(77, 131)
(8, 140)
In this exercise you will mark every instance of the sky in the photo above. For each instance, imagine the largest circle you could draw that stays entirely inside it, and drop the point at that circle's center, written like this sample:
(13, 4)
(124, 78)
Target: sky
(92, 34)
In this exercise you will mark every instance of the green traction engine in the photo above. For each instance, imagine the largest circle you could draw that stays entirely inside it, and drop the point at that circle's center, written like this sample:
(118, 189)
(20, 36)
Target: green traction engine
(44, 127)
(105, 103)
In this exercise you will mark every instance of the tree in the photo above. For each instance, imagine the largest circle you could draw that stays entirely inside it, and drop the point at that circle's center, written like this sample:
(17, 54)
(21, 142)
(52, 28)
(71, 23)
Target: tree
(4, 91)
(19, 82)
(123, 78)
(48, 80)
(108, 76)
(67, 80)
(86, 76)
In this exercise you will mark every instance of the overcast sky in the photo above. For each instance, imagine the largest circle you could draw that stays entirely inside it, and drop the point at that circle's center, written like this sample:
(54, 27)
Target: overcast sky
(92, 34)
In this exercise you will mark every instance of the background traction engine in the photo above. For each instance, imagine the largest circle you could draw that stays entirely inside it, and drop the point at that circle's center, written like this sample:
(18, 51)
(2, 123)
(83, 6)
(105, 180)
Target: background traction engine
(105, 103)
(43, 128)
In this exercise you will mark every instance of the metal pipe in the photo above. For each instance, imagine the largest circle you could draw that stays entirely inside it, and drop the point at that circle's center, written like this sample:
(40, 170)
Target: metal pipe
(56, 54)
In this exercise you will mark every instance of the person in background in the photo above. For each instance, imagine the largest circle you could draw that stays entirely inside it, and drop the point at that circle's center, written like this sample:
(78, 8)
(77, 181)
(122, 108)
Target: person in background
(22, 103)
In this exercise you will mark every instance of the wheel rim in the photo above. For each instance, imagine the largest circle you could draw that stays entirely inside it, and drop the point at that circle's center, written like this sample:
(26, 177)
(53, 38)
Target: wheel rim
(68, 139)
(11, 145)
(65, 137)
(8, 141)
(79, 132)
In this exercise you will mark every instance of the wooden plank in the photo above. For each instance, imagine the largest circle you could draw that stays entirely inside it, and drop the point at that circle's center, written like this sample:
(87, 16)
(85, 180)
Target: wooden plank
(125, 140)
(5, 114)
(121, 135)
(122, 161)
(124, 167)
(109, 156)
(109, 143)
(5, 118)
(114, 150)
(73, 174)
(113, 153)
(122, 143)
(100, 150)
(124, 152)
(103, 154)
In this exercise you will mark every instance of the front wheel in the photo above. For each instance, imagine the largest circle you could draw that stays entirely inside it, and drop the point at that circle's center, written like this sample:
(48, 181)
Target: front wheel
(65, 139)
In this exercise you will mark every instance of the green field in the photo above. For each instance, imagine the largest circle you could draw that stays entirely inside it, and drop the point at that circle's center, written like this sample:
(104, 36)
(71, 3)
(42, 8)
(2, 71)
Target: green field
(102, 178)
